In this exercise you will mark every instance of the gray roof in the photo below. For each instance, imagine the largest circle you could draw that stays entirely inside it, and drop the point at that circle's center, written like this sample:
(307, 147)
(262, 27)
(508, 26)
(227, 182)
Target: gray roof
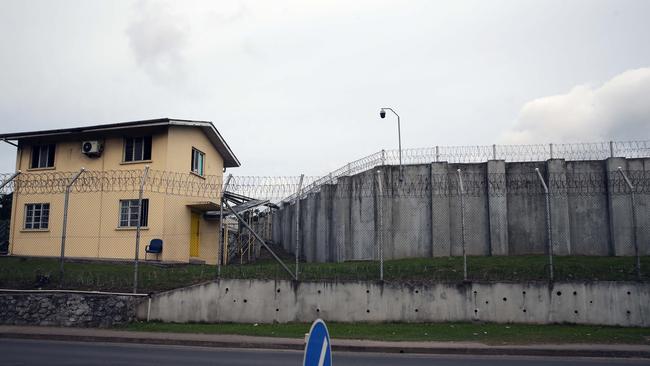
(229, 158)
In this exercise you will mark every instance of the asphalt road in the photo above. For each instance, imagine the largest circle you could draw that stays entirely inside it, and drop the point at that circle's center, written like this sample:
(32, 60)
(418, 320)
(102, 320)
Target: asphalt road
(39, 352)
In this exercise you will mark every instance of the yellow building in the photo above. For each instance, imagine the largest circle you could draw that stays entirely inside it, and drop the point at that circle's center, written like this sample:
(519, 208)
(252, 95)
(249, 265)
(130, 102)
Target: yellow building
(186, 161)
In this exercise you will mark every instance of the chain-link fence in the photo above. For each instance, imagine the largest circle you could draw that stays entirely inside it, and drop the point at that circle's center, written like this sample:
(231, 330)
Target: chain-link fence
(139, 229)
(148, 230)
(533, 221)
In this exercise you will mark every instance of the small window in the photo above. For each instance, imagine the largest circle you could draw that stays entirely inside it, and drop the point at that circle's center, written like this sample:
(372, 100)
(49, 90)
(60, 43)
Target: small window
(129, 213)
(37, 216)
(137, 148)
(197, 161)
(42, 156)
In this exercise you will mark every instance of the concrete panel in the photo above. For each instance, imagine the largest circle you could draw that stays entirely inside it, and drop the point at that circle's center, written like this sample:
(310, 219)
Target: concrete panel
(410, 208)
(276, 233)
(588, 212)
(288, 229)
(323, 211)
(340, 229)
(498, 207)
(263, 301)
(390, 180)
(527, 232)
(477, 229)
(362, 216)
(560, 224)
(620, 209)
(641, 169)
(306, 232)
(440, 221)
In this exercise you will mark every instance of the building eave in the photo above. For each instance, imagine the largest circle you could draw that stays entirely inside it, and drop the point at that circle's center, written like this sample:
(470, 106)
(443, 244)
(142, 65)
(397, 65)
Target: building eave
(229, 158)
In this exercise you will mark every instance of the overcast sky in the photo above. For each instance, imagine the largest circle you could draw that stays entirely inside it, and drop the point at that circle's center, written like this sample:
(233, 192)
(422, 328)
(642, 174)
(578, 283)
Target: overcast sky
(296, 86)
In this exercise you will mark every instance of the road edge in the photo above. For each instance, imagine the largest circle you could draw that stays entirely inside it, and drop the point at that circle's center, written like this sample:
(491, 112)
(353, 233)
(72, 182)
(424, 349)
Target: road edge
(337, 346)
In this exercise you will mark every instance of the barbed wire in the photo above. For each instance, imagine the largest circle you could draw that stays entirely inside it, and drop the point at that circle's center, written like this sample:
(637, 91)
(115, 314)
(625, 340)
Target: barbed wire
(274, 188)
(170, 183)
(285, 187)
(519, 153)
(267, 188)
(483, 153)
(569, 184)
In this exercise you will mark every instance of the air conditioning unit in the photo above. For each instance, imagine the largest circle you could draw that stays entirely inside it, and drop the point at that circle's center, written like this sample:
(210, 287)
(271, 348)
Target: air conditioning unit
(92, 148)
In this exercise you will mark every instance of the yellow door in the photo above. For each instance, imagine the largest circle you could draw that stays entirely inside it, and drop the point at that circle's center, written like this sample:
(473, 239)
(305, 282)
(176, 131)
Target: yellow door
(194, 235)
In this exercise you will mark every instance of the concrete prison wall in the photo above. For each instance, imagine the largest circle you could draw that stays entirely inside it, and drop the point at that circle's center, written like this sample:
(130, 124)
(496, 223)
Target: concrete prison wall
(263, 301)
(505, 211)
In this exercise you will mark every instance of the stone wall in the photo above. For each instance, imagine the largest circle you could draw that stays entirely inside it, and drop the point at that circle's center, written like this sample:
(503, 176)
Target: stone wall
(66, 309)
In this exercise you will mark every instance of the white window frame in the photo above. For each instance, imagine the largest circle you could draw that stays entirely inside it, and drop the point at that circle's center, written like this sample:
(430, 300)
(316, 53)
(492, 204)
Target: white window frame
(198, 162)
(134, 140)
(37, 216)
(43, 152)
(128, 213)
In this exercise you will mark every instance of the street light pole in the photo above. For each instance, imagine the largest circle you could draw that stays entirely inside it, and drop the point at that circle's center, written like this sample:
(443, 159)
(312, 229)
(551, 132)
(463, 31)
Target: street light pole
(382, 114)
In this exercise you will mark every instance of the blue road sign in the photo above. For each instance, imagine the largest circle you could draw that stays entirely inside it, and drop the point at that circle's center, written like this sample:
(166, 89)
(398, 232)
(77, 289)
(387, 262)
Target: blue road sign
(318, 351)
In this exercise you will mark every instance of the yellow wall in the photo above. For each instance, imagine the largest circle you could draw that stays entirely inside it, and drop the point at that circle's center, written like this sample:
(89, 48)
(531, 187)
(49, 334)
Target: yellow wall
(179, 158)
(68, 156)
(93, 217)
(179, 155)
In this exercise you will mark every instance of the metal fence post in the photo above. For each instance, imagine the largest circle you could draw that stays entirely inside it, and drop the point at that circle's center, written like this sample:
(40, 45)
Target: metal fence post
(437, 153)
(298, 194)
(462, 221)
(137, 230)
(2, 185)
(267, 225)
(494, 152)
(221, 245)
(548, 226)
(383, 157)
(8, 180)
(550, 148)
(611, 149)
(65, 222)
(634, 225)
(380, 231)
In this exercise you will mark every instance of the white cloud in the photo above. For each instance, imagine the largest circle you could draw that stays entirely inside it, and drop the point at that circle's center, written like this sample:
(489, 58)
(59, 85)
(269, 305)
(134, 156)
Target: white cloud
(158, 39)
(619, 110)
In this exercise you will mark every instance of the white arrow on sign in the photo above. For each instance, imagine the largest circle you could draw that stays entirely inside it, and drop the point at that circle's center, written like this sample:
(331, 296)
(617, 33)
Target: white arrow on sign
(323, 353)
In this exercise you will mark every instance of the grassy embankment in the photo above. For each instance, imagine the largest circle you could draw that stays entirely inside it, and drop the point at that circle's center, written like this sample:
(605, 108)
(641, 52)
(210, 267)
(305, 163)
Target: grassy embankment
(22, 273)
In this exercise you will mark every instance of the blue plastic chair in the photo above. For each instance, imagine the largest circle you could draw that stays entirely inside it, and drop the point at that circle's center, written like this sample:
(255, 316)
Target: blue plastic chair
(154, 247)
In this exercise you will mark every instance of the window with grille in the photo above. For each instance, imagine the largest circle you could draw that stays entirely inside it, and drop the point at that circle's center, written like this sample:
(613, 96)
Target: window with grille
(197, 161)
(42, 156)
(129, 213)
(37, 216)
(137, 148)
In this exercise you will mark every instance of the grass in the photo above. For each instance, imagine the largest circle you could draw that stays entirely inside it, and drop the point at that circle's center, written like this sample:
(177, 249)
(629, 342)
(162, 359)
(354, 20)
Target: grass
(485, 333)
(22, 273)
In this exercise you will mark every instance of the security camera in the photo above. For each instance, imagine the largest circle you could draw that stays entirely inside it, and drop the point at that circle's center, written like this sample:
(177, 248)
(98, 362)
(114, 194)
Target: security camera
(382, 113)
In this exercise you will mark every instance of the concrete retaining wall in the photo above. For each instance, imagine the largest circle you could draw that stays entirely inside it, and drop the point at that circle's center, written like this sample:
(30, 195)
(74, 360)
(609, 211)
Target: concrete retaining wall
(257, 301)
(66, 309)
(505, 211)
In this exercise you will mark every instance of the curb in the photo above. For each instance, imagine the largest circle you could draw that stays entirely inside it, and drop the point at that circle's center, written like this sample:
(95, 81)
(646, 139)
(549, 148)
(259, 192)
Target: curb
(157, 341)
(338, 346)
